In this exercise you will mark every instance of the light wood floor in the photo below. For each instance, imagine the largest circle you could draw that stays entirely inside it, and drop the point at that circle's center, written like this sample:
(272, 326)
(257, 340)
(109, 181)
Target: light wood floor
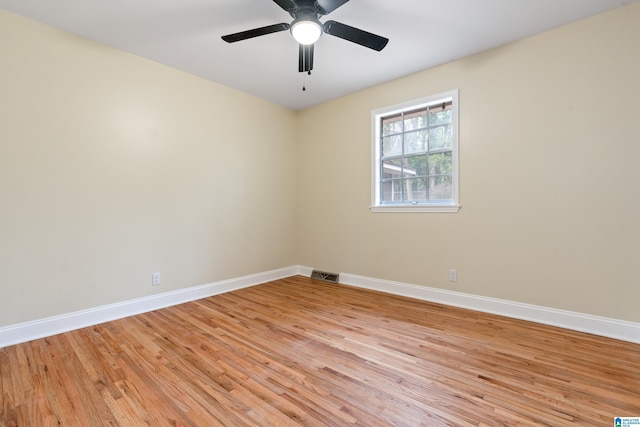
(303, 352)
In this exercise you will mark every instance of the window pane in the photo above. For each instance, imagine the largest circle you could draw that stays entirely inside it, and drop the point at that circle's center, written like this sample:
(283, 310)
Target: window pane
(439, 117)
(415, 190)
(440, 164)
(392, 145)
(392, 169)
(415, 120)
(440, 137)
(392, 124)
(391, 191)
(415, 166)
(415, 142)
(440, 188)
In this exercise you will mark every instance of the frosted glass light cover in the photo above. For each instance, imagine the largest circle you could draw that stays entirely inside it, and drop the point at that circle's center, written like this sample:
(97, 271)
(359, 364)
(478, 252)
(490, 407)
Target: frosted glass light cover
(306, 32)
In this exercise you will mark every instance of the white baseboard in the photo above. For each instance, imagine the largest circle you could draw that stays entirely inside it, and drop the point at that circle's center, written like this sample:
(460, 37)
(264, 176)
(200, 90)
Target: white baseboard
(304, 271)
(603, 326)
(618, 329)
(23, 332)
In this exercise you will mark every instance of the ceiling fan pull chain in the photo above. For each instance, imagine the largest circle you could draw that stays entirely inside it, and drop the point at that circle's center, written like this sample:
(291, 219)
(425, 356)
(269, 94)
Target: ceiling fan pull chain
(304, 80)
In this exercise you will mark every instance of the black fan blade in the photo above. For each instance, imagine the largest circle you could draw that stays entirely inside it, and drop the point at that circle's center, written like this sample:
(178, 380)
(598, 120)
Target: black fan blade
(249, 34)
(355, 35)
(328, 6)
(305, 58)
(287, 5)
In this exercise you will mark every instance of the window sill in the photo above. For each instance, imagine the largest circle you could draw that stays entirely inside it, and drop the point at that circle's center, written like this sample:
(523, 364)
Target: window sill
(416, 208)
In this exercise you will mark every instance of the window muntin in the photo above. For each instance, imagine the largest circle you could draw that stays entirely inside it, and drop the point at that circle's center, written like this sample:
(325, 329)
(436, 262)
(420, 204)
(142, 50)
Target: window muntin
(415, 154)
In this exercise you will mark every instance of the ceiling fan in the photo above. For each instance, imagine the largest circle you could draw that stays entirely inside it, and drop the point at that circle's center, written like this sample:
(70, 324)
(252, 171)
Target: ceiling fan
(306, 29)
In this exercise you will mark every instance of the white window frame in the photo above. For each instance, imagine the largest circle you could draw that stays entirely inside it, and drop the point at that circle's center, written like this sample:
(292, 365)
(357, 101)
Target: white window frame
(376, 117)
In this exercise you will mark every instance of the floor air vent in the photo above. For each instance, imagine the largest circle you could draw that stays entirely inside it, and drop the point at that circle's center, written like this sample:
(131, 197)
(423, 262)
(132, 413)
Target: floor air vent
(323, 275)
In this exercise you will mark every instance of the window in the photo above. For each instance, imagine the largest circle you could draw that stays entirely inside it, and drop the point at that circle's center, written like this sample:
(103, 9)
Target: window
(415, 155)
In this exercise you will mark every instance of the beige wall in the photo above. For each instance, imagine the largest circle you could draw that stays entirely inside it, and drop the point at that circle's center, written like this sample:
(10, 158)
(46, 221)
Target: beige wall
(549, 184)
(113, 167)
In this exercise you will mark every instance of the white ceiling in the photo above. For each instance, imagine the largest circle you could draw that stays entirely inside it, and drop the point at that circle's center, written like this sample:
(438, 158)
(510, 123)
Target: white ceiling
(185, 34)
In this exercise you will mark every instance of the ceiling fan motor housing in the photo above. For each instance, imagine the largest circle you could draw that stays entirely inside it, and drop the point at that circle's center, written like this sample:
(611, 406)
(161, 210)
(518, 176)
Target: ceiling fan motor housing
(305, 10)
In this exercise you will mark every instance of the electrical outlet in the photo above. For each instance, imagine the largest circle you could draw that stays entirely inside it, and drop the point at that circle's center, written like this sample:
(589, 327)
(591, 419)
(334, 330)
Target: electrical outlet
(453, 275)
(155, 279)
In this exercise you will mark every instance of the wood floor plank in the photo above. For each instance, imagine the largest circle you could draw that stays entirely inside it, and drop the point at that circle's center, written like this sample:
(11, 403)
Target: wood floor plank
(302, 352)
